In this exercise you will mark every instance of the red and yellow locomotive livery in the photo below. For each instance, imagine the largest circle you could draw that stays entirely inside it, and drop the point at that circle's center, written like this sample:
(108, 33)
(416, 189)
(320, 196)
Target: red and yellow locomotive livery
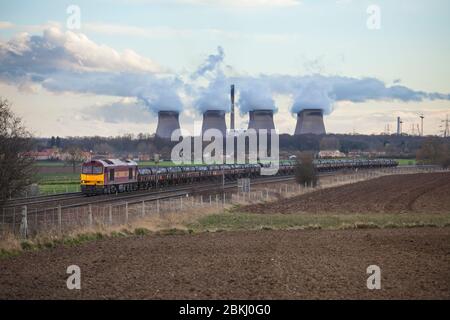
(108, 176)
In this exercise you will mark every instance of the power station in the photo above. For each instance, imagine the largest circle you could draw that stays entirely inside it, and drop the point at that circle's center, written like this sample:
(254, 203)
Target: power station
(214, 119)
(168, 121)
(310, 121)
(261, 119)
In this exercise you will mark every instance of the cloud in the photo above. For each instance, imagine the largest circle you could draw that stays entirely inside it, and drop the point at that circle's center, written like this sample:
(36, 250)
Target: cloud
(154, 92)
(213, 96)
(360, 90)
(323, 91)
(312, 96)
(69, 51)
(162, 95)
(254, 93)
(127, 30)
(164, 32)
(212, 64)
(309, 91)
(6, 25)
(69, 61)
(125, 110)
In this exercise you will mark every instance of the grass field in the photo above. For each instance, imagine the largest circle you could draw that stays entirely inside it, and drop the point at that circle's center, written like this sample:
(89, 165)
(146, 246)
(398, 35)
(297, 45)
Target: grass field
(45, 163)
(50, 183)
(58, 177)
(406, 162)
(248, 221)
(58, 188)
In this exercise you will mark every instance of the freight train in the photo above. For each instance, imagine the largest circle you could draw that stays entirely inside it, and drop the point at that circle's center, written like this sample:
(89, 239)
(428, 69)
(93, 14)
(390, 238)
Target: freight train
(113, 175)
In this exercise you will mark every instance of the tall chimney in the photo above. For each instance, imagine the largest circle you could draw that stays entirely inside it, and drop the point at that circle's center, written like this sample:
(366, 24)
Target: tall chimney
(232, 108)
(167, 123)
(214, 119)
(261, 119)
(399, 126)
(310, 121)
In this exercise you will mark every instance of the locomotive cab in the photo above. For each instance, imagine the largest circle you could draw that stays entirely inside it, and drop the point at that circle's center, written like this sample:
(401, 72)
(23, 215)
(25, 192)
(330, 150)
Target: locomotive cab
(92, 177)
(108, 176)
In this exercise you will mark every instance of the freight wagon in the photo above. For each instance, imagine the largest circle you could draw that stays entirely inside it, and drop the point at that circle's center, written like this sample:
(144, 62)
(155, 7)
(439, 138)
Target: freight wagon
(113, 175)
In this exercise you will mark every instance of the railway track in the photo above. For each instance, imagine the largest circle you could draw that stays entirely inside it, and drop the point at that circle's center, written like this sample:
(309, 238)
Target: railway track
(178, 192)
(42, 199)
(77, 199)
(66, 200)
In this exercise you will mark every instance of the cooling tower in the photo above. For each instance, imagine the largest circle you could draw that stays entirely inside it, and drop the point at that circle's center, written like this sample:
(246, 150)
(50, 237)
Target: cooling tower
(310, 121)
(261, 119)
(214, 119)
(167, 123)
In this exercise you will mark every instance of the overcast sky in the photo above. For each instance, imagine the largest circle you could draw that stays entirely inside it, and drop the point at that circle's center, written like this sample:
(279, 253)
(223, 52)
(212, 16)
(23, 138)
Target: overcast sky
(363, 62)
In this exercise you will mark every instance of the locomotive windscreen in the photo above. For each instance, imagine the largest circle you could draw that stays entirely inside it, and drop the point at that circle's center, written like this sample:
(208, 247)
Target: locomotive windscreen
(90, 169)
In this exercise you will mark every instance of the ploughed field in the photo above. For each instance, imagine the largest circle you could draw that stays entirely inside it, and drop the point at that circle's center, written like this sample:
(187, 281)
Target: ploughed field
(409, 193)
(290, 264)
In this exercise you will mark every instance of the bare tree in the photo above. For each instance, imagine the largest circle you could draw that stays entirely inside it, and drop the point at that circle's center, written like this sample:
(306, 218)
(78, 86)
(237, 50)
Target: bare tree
(434, 151)
(74, 157)
(305, 171)
(329, 143)
(104, 149)
(16, 165)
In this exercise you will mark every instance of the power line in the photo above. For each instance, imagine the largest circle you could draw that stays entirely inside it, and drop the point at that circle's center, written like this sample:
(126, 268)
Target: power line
(446, 128)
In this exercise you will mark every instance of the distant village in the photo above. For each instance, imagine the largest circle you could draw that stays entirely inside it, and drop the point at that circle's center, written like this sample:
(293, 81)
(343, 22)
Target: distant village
(59, 154)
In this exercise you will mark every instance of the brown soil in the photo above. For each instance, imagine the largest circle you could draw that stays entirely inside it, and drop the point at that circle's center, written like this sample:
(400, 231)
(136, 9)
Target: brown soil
(418, 193)
(415, 263)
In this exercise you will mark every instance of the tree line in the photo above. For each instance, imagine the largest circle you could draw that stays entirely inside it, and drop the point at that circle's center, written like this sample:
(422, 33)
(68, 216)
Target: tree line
(391, 145)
